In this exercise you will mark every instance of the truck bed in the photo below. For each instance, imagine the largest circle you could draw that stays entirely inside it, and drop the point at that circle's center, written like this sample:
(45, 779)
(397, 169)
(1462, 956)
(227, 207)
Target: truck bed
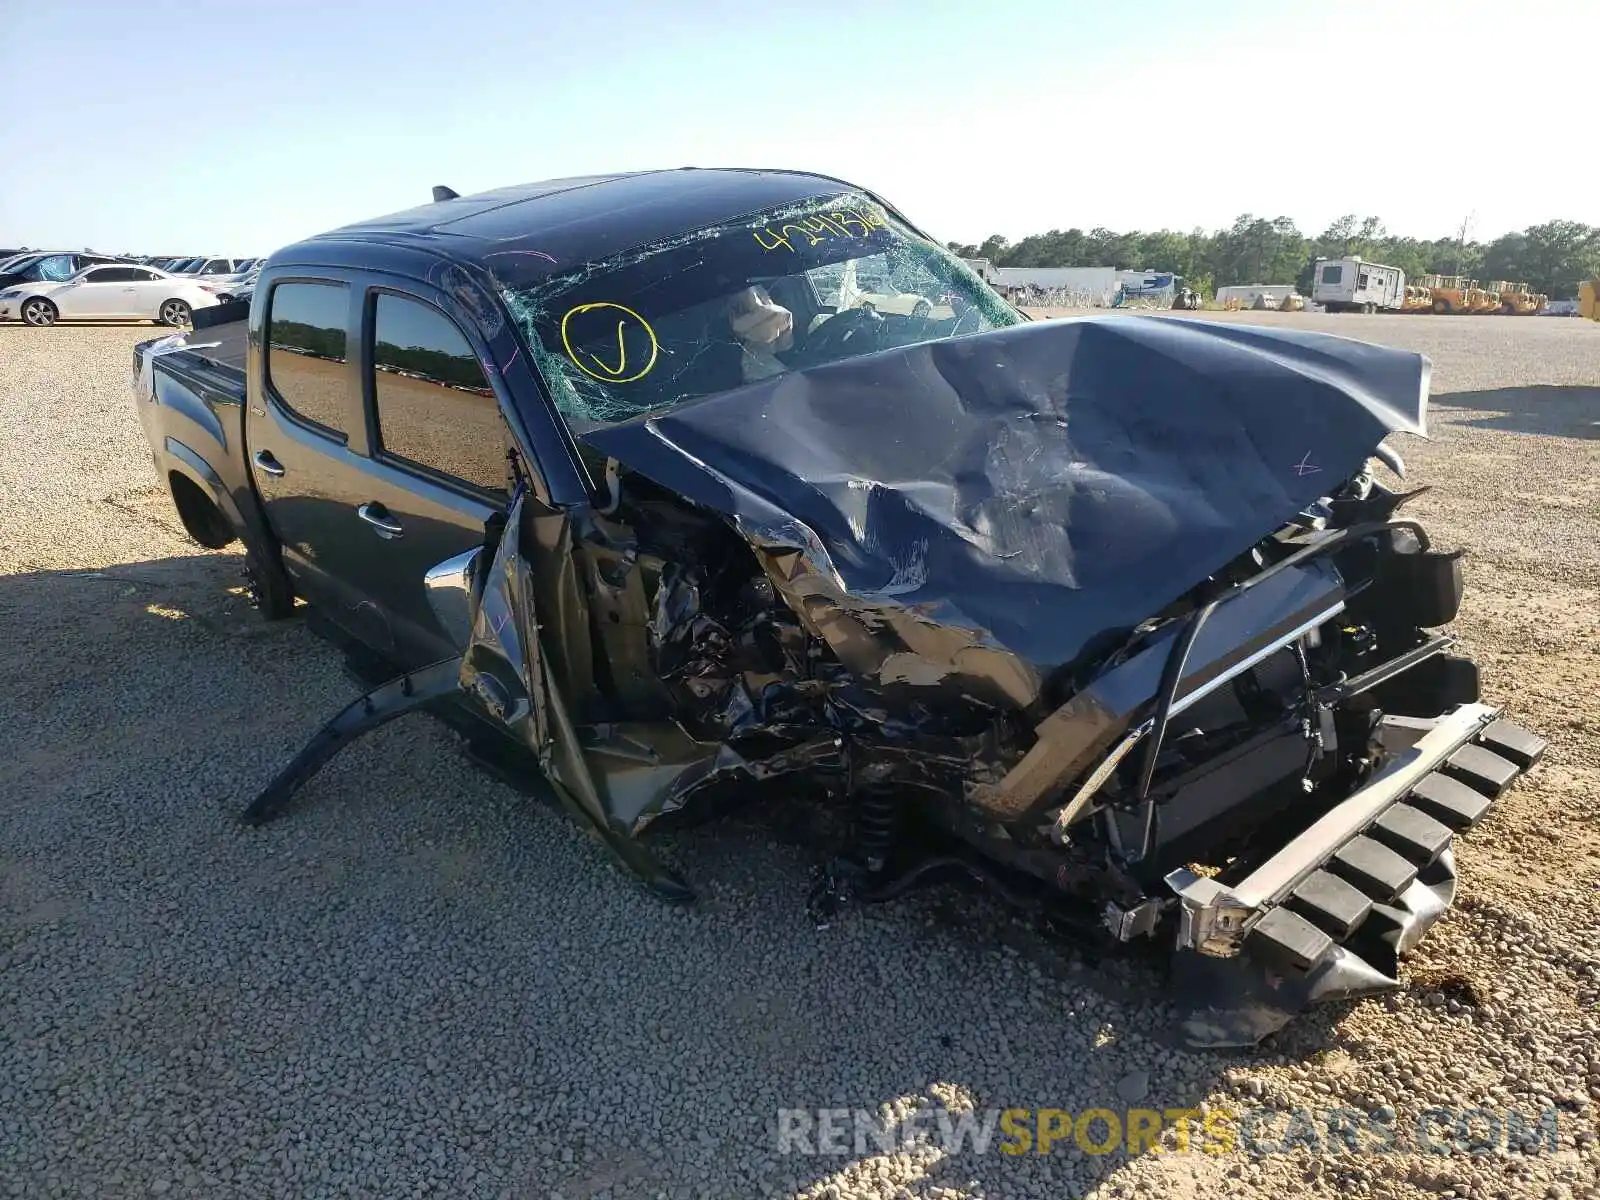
(212, 358)
(221, 345)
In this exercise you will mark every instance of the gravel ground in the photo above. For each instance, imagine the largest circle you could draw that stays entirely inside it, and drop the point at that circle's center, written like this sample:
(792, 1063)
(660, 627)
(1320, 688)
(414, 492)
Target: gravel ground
(423, 982)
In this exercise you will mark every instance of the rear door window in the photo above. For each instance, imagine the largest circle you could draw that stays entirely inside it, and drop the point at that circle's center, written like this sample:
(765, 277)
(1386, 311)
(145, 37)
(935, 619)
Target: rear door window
(433, 403)
(1332, 274)
(306, 353)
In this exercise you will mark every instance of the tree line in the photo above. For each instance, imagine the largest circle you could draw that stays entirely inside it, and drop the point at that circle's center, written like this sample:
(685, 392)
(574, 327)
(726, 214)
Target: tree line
(1552, 258)
(439, 366)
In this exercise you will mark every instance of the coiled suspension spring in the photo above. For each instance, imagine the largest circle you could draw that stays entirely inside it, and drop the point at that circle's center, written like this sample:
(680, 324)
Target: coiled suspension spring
(877, 824)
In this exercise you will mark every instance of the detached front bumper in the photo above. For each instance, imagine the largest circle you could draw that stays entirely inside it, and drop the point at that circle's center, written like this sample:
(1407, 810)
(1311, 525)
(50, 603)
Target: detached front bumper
(1328, 916)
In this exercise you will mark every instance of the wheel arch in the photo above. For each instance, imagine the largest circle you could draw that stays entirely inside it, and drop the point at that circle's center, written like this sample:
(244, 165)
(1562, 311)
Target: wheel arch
(28, 299)
(202, 486)
(204, 505)
(174, 299)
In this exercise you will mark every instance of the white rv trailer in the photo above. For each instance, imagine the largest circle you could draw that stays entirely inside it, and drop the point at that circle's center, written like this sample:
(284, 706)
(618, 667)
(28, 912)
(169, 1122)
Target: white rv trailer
(1354, 285)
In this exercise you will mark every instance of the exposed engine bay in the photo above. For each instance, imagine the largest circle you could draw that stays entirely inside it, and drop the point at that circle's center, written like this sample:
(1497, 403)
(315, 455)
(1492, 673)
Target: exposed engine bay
(1117, 619)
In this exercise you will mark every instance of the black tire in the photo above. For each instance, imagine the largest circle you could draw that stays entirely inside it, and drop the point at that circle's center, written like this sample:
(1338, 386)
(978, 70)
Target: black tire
(38, 312)
(267, 587)
(1441, 306)
(921, 309)
(175, 313)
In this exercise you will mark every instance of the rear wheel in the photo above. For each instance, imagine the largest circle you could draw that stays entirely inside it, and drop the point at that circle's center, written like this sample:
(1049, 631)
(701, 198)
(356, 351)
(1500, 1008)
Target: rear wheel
(175, 313)
(39, 311)
(1369, 308)
(267, 587)
(1441, 307)
(921, 309)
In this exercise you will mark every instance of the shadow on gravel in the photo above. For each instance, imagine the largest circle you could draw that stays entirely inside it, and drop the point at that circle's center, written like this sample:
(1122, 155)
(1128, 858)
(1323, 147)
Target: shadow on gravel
(625, 1046)
(1550, 409)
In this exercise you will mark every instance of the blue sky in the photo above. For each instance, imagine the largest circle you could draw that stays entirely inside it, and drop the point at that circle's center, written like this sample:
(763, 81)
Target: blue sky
(234, 128)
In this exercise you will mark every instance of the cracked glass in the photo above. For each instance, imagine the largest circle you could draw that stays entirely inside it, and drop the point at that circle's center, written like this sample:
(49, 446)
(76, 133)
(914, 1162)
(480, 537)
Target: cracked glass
(668, 322)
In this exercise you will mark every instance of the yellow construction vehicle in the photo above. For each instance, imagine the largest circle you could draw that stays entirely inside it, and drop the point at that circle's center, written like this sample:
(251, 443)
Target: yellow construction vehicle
(1417, 298)
(1516, 300)
(1589, 299)
(1446, 293)
(1480, 299)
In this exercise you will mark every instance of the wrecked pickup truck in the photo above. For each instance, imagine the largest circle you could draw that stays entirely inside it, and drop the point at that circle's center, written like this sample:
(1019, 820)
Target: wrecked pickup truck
(1114, 615)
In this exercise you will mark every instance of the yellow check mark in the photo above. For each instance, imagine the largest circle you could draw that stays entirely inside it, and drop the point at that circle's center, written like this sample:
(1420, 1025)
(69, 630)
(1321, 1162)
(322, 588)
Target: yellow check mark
(622, 349)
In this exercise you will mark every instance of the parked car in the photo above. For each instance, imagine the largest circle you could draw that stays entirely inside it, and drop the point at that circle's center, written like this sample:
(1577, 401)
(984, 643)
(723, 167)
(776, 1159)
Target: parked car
(123, 292)
(230, 287)
(1113, 616)
(209, 266)
(48, 267)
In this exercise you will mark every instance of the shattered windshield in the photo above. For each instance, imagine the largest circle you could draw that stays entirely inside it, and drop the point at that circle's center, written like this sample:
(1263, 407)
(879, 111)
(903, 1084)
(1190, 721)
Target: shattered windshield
(666, 323)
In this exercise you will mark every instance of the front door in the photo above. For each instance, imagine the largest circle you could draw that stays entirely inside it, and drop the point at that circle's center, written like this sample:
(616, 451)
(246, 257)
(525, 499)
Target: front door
(96, 293)
(437, 468)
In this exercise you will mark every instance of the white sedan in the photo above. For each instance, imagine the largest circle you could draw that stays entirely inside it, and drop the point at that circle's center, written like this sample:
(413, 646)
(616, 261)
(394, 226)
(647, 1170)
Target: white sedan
(120, 292)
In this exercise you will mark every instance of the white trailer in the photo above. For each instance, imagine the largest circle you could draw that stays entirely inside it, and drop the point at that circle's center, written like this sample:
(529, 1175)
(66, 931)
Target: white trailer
(1354, 285)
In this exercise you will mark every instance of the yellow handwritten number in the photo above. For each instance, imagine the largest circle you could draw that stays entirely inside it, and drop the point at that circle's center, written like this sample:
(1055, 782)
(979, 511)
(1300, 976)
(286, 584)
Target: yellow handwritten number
(607, 373)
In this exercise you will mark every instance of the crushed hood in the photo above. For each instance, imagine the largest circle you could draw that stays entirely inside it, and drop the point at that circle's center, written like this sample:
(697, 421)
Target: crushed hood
(1041, 486)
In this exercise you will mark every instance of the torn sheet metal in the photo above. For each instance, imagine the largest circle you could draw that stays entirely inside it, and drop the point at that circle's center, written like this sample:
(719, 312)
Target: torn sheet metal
(1041, 488)
(505, 673)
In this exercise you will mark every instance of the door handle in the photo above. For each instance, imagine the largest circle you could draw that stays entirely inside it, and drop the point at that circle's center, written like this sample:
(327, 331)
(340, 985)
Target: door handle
(378, 517)
(268, 465)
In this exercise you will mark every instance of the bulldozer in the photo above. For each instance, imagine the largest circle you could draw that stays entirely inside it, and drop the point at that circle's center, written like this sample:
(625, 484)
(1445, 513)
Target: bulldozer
(1516, 300)
(1417, 298)
(1480, 299)
(1447, 293)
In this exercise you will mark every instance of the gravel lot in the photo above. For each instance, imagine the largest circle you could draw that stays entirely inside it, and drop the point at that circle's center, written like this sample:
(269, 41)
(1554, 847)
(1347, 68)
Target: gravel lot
(424, 983)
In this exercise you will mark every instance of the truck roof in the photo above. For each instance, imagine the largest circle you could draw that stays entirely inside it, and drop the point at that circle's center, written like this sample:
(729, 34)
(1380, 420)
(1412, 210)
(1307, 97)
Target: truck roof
(530, 230)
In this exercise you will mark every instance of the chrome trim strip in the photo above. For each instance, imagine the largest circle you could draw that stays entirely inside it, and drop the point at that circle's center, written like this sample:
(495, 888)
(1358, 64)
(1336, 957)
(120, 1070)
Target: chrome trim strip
(1305, 853)
(1243, 665)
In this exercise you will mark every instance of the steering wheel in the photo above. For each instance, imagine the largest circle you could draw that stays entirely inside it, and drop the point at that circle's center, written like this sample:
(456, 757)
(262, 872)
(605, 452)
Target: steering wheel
(854, 331)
